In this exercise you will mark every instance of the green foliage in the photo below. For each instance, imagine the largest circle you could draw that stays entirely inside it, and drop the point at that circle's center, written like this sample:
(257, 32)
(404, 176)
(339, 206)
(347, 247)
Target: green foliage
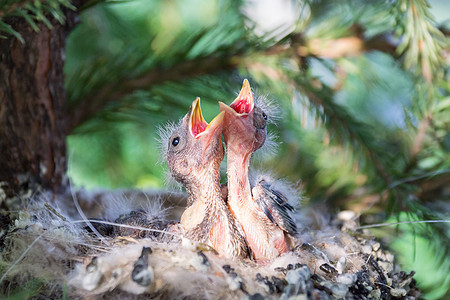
(420, 248)
(30, 289)
(32, 12)
(422, 42)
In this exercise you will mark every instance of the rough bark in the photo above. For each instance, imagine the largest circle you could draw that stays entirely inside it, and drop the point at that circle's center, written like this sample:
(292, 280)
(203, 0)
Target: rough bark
(32, 107)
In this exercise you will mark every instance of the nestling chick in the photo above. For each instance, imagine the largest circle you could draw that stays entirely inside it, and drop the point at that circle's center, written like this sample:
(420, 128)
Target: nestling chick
(194, 154)
(262, 211)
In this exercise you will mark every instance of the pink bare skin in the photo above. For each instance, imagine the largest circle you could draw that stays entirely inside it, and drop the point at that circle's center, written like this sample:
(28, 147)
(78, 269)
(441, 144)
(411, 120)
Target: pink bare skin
(194, 154)
(244, 132)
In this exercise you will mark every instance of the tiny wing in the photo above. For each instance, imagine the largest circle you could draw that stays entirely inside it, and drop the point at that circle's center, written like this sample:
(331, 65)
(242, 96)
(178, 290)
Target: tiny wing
(274, 204)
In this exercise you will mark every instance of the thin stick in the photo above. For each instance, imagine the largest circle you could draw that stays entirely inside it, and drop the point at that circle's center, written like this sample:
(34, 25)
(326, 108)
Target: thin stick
(52, 210)
(415, 178)
(400, 223)
(124, 225)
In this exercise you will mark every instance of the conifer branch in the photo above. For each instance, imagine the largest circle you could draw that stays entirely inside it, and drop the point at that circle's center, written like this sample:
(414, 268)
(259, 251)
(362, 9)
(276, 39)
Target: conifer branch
(422, 43)
(33, 12)
(339, 118)
(346, 46)
(11, 8)
(94, 103)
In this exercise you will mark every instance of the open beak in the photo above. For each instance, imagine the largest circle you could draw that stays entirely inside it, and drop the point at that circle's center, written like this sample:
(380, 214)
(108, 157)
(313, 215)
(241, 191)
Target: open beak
(244, 102)
(197, 124)
(241, 106)
(239, 131)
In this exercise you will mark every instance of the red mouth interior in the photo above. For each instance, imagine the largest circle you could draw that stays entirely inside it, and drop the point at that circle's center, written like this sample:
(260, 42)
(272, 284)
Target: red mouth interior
(198, 127)
(242, 106)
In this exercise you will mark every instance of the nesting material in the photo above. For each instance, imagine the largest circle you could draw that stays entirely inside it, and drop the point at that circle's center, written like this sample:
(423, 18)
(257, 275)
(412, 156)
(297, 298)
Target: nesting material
(49, 243)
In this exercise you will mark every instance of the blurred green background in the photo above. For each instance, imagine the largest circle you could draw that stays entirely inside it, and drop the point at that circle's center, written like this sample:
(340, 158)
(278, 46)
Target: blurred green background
(363, 90)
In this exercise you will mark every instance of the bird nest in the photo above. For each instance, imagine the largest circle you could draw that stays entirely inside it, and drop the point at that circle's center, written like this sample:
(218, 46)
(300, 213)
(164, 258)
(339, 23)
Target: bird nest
(133, 253)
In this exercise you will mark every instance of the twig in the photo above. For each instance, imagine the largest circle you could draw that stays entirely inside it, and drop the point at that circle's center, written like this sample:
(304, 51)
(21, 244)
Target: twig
(401, 223)
(418, 177)
(52, 210)
(124, 225)
(417, 145)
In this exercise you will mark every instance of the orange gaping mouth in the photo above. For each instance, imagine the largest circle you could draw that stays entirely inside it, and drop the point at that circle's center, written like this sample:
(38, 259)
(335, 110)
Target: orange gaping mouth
(197, 124)
(244, 103)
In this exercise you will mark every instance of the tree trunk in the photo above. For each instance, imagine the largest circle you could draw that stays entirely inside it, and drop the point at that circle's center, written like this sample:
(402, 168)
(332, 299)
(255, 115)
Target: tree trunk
(33, 108)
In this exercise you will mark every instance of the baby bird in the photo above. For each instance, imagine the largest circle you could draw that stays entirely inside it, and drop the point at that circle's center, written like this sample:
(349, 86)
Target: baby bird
(194, 154)
(262, 212)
